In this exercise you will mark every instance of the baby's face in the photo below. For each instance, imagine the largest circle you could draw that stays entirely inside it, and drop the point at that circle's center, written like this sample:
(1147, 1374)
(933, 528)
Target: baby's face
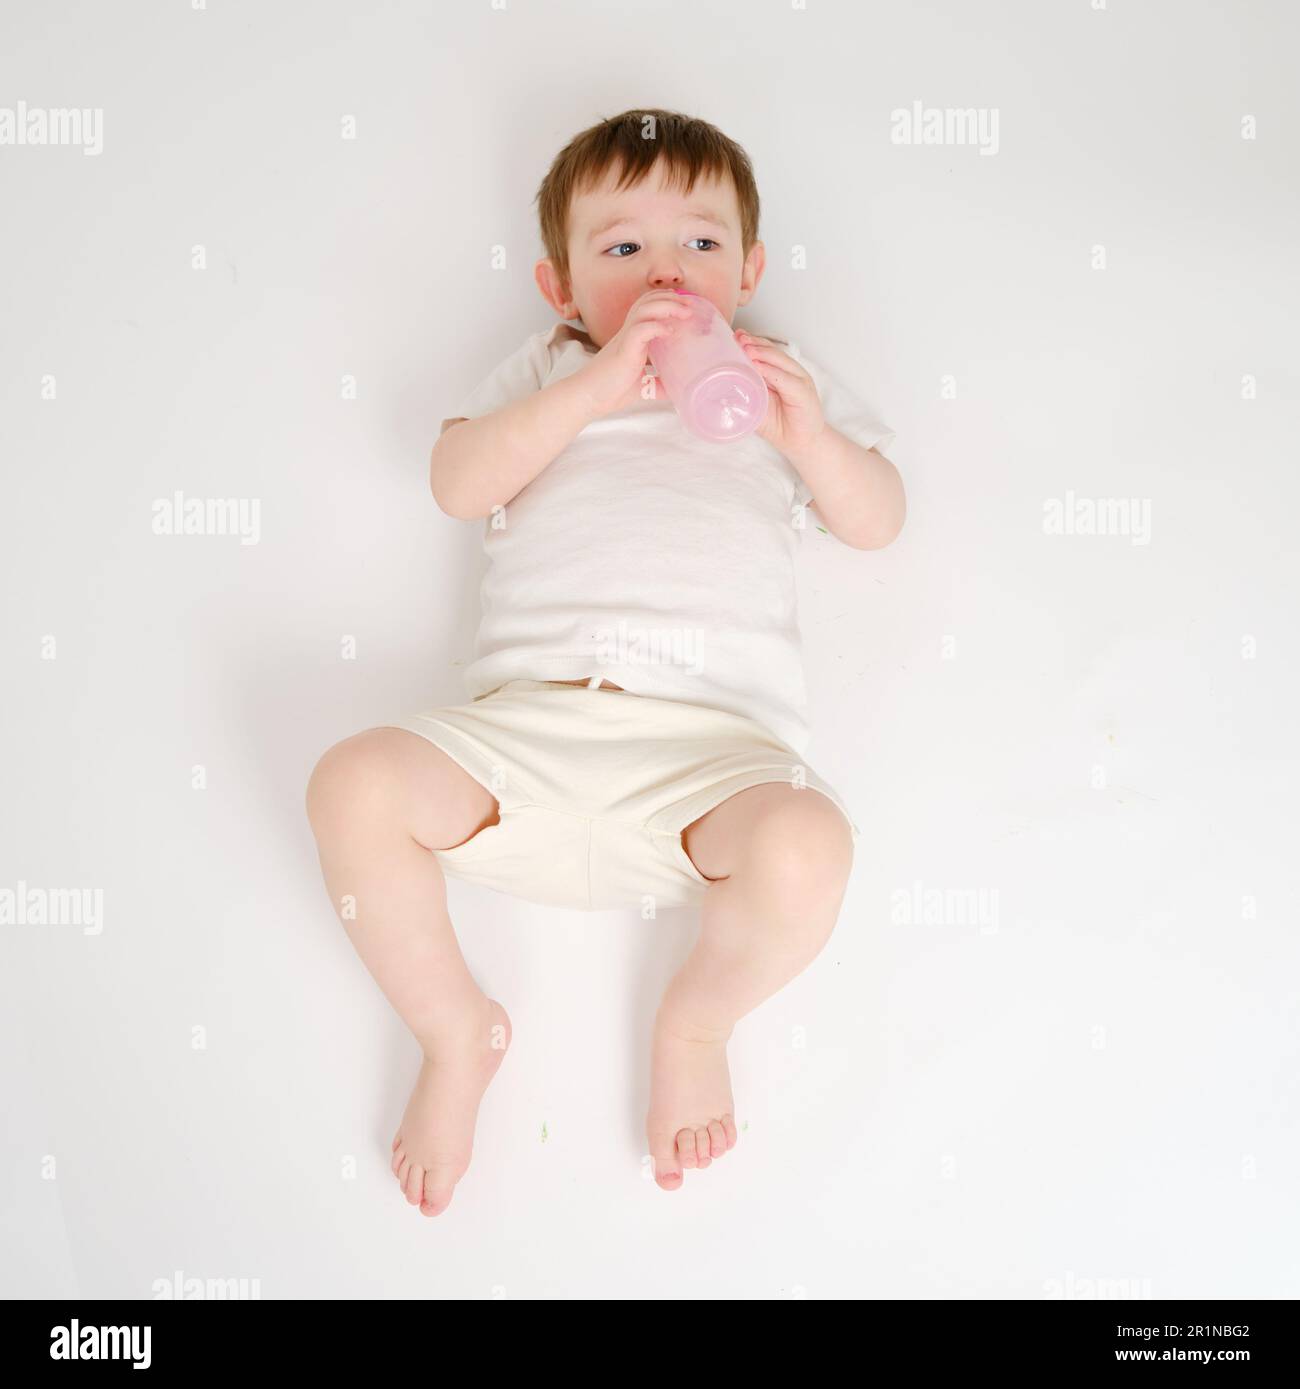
(622, 244)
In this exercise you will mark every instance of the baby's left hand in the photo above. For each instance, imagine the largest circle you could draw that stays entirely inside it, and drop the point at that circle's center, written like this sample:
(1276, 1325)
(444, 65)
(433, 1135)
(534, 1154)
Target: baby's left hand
(794, 413)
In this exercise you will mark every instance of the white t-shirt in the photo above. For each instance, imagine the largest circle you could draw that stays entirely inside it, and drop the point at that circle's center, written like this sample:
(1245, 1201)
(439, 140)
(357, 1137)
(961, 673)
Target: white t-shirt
(658, 561)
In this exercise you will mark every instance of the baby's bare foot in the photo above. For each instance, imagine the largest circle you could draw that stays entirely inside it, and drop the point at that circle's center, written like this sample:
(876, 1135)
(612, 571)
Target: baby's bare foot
(691, 1110)
(436, 1139)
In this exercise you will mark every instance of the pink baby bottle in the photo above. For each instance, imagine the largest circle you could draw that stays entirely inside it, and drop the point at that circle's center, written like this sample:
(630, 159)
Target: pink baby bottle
(715, 388)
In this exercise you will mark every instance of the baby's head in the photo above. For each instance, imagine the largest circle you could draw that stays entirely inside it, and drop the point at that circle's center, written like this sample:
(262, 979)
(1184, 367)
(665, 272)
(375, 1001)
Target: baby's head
(647, 200)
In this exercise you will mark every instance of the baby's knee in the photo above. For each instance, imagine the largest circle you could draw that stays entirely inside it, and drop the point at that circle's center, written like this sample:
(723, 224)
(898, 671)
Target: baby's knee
(352, 783)
(803, 845)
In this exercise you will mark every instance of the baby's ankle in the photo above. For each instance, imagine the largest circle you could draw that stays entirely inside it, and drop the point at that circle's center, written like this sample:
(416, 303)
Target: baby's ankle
(467, 1021)
(672, 1022)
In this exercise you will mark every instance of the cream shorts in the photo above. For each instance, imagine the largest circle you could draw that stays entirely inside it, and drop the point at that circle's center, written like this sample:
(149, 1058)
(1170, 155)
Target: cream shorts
(595, 787)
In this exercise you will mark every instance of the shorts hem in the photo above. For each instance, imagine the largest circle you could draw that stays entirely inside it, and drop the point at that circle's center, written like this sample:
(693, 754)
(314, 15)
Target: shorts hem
(667, 825)
(467, 757)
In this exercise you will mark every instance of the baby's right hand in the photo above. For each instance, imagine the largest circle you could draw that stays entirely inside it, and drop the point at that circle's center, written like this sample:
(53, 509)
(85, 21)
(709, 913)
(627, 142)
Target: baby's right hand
(612, 379)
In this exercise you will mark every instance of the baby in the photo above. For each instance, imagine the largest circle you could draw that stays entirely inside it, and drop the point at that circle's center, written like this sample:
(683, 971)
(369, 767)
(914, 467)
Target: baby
(636, 724)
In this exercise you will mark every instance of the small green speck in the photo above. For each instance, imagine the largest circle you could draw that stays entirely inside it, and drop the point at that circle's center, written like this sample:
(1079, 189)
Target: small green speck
(823, 530)
(543, 1130)
(744, 1128)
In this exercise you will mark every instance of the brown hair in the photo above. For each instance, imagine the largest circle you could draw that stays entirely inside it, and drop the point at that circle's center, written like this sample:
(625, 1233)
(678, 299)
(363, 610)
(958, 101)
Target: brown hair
(691, 147)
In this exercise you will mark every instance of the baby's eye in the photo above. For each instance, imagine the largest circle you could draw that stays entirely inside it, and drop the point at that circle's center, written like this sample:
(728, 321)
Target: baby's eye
(633, 244)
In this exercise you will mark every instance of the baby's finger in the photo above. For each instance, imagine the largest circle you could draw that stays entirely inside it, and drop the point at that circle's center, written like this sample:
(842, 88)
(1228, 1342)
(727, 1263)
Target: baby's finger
(785, 383)
(760, 351)
(650, 328)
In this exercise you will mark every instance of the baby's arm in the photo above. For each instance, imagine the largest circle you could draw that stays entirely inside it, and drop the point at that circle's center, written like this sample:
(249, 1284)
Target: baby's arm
(858, 492)
(485, 462)
(481, 463)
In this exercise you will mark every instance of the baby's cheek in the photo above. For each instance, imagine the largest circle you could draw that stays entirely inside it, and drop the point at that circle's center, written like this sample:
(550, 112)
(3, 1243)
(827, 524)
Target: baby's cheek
(613, 312)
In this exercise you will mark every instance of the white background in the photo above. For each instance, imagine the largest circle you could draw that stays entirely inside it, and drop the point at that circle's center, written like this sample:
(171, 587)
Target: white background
(1103, 1086)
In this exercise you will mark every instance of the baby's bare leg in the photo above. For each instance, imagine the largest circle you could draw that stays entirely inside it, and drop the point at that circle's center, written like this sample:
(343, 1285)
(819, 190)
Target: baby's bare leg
(378, 802)
(782, 856)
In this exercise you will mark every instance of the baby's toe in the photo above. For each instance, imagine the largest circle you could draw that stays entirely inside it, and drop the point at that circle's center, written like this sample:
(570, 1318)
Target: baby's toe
(717, 1138)
(413, 1183)
(436, 1195)
(702, 1154)
(667, 1169)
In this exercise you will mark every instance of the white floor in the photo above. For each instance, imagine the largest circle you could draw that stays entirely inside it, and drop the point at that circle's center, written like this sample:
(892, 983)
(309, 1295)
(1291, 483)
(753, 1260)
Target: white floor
(1051, 1049)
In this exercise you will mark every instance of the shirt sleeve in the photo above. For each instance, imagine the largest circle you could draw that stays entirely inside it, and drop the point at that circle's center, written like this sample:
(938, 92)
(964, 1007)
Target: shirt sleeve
(843, 410)
(522, 372)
